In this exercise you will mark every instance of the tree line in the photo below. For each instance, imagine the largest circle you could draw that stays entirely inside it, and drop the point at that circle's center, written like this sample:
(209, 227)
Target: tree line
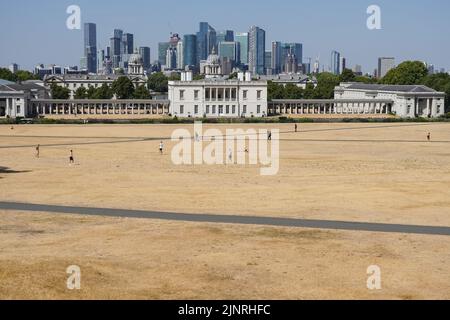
(20, 75)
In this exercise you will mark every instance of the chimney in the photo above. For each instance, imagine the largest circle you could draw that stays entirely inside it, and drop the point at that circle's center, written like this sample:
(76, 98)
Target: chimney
(248, 76)
(241, 76)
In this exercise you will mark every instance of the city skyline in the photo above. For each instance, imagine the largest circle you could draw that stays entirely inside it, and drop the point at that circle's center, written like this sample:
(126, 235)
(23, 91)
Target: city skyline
(65, 47)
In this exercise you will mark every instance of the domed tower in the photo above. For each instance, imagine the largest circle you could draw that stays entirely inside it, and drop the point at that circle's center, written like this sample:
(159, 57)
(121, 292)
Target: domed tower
(213, 67)
(136, 64)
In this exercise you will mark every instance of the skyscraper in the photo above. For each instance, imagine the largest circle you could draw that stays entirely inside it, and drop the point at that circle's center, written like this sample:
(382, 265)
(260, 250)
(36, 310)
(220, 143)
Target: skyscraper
(145, 53)
(127, 44)
(342, 64)
(115, 51)
(190, 50)
(335, 62)
(256, 50)
(292, 49)
(225, 36)
(180, 55)
(162, 52)
(268, 62)
(230, 50)
(242, 38)
(90, 47)
(202, 48)
(277, 59)
(211, 40)
(384, 65)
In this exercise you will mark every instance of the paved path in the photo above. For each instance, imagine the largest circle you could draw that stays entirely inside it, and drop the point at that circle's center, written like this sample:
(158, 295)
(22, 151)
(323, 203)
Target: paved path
(230, 219)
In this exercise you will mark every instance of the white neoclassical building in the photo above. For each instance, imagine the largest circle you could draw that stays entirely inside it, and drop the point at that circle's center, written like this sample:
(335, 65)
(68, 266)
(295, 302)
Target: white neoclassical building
(408, 101)
(218, 97)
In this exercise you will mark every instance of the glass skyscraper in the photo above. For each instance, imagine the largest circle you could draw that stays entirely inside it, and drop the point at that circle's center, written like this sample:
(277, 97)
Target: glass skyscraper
(162, 52)
(230, 50)
(190, 50)
(145, 53)
(242, 38)
(335, 62)
(256, 50)
(90, 47)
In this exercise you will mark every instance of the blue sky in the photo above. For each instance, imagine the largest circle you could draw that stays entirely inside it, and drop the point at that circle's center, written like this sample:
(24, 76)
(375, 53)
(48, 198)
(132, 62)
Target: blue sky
(35, 31)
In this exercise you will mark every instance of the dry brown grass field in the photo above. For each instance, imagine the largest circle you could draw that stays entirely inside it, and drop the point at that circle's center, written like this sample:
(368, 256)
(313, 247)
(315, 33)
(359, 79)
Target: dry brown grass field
(382, 173)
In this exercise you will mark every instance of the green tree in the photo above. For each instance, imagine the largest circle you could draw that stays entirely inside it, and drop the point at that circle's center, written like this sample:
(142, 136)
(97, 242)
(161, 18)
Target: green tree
(80, 93)
(23, 75)
(104, 92)
(158, 82)
(439, 82)
(91, 92)
(123, 88)
(326, 83)
(6, 74)
(364, 79)
(59, 92)
(142, 93)
(309, 91)
(407, 73)
(347, 75)
(275, 91)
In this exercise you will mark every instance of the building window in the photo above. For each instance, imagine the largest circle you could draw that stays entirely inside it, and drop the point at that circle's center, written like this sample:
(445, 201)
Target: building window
(196, 94)
(233, 110)
(258, 109)
(207, 109)
(233, 94)
(245, 94)
(227, 94)
(409, 110)
(244, 109)
(181, 94)
(196, 109)
(438, 109)
(181, 109)
(213, 109)
(220, 94)
(213, 94)
(227, 110)
(18, 109)
(220, 109)
(258, 95)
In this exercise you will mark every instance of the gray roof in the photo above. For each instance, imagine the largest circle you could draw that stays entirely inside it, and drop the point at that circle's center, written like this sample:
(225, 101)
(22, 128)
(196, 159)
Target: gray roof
(13, 87)
(2, 82)
(393, 88)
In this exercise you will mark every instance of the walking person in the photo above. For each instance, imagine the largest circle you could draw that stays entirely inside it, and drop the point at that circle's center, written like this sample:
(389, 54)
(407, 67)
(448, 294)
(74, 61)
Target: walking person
(296, 128)
(38, 148)
(429, 136)
(161, 147)
(71, 158)
(269, 135)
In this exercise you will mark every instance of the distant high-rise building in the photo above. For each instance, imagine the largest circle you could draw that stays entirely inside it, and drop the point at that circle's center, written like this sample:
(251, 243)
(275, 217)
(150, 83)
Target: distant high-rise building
(242, 38)
(14, 67)
(230, 50)
(127, 44)
(357, 70)
(146, 59)
(162, 52)
(180, 55)
(90, 47)
(342, 64)
(268, 63)
(211, 40)
(276, 63)
(385, 64)
(293, 49)
(202, 42)
(115, 44)
(190, 50)
(225, 36)
(174, 39)
(335, 62)
(171, 58)
(256, 50)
